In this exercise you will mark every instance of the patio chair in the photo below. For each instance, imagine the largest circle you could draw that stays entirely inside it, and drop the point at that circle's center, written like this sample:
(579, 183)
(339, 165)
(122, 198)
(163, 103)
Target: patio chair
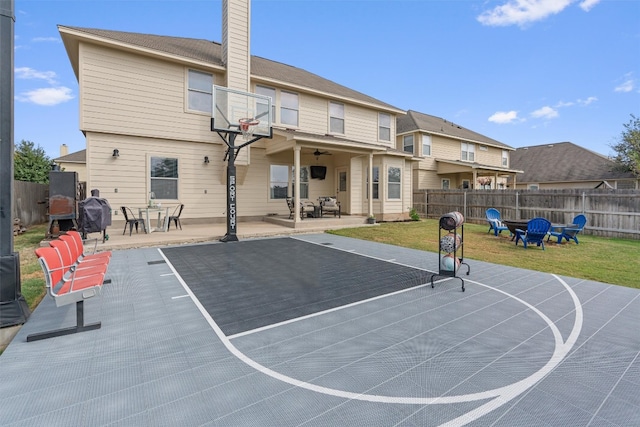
(305, 209)
(175, 217)
(131, 220)
(495, 222)
(569, 231)
(537, 229)
(329, 205)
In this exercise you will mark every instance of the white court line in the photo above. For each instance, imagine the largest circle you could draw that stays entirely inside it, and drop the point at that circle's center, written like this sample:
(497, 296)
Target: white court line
(499, 396)
(166, 274)
(181, 296)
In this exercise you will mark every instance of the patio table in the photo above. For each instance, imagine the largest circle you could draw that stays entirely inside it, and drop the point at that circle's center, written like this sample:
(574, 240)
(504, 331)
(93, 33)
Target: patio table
(162, 224)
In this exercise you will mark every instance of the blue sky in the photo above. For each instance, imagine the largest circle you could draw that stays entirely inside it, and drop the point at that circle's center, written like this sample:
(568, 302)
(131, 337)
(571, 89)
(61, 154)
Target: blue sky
(523, 72)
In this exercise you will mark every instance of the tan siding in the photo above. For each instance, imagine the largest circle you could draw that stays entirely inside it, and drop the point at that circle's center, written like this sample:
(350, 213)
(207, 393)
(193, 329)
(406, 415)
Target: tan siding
(128, 94)
(492, 157)
(445, 148)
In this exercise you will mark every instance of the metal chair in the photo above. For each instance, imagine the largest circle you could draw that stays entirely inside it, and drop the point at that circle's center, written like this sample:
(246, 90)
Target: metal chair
(175, 217)
(131, 220)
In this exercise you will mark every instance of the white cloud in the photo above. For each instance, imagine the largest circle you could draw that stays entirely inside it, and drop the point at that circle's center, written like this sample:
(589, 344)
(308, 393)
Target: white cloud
(29, 74)
(545, 112)
(523, 12)
(587, 5)
(46, 39)
(626, 86)
(589, 100)
(46, 96)
(502, 117)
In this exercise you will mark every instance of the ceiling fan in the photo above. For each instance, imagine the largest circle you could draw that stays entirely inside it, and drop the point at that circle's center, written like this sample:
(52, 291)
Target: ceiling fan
(319, 153)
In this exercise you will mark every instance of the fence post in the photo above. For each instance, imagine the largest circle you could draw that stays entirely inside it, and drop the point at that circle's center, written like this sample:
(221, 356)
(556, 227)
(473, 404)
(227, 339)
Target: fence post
(464, 205)
(517, 205)
(584, 197)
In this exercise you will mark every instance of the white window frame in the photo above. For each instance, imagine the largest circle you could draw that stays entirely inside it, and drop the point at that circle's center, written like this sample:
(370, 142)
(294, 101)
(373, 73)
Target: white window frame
(426, 145)
(156, 182)
(199, 96)
(376, 183)
(384, 127)
(468, 183)
(505, 158)
(405, 144)
(287, 107)
(446, 183)
(304, 181)
(394, 188)
(467, 152)
(336, 118)
(533, 187)
(285, 170)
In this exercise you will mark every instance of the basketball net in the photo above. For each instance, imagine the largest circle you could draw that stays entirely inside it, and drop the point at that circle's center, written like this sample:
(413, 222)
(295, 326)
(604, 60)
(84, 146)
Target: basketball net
(247, 126)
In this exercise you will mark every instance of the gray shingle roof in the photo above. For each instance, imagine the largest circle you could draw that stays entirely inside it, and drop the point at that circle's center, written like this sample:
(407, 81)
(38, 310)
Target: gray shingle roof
(211, 52)
(77, 157)
(415, 121)
(562, 162)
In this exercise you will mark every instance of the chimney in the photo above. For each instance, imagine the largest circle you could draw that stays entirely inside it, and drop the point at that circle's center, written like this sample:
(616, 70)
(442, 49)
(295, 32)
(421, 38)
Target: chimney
(64, 150)
(236, 52)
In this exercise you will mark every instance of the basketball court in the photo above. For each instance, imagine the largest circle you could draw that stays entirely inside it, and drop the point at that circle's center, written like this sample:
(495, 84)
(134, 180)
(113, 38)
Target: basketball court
(322, 330)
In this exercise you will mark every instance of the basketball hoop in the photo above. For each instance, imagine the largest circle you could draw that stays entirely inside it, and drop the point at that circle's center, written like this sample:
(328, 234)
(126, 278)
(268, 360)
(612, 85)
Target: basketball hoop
(247, 126)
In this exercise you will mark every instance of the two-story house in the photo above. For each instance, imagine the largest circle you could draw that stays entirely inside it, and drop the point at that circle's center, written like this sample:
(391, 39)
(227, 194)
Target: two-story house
(452, 156)
(149, 98)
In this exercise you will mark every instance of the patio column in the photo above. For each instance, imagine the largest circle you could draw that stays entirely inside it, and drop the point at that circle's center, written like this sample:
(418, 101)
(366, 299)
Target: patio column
(296, 183)
(370, 184)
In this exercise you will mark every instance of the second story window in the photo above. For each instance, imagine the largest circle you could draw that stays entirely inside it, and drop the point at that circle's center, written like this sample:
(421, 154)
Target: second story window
(407, 143)
(426, 145)
(200, 91)
(505, 158)
(270, 92)
(289, 108)
(468, 152)
(384, 127)
(336, 118)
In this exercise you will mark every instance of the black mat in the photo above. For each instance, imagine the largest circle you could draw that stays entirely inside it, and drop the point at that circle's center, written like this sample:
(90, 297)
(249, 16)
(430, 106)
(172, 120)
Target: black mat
(250, 284)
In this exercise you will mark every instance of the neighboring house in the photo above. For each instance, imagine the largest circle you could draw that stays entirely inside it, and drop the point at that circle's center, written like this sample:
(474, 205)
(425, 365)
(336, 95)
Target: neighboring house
(567, 165)
(452, 156)
(149, 97)
(74, 162)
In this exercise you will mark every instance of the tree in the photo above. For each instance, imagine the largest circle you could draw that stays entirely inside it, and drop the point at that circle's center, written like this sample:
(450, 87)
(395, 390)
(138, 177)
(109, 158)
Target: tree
(628, 147)
(31, 163)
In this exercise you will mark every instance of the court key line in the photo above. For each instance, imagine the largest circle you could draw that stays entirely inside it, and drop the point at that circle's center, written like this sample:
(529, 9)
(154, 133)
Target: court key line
(499, 396)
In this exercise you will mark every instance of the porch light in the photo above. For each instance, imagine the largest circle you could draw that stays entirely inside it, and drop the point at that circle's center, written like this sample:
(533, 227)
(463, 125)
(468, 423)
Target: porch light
(116, 153)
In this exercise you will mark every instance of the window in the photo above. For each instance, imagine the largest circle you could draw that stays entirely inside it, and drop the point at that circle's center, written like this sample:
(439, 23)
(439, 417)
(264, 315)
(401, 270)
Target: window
(468, 152)
(282, 177)
(289, 108)
(270, 92)
(336, 117)
(164, 178)
(466, 184)
(304, 182)
(533, 187)
(446, 184)
(426, 145)
(393, 183)
(384, 127)
(376, 181)
(279, 182)
(505, 158)
(200, 91)
(407, 143)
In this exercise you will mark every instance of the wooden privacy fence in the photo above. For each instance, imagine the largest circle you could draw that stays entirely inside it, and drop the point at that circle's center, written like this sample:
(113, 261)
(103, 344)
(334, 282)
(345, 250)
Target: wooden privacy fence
(30, 202)
(610, 213)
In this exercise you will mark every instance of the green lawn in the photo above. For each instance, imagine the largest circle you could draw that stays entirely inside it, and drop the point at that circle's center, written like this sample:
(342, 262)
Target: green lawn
(32, 278)
(615, 261)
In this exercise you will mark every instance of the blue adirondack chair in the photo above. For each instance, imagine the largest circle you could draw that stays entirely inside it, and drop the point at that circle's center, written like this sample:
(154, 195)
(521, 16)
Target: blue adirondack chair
(569, 231)
(537, 229)
(495, 222)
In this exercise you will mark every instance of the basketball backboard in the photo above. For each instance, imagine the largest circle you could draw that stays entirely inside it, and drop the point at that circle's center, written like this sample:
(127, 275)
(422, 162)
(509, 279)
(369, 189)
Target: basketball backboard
(240, 112)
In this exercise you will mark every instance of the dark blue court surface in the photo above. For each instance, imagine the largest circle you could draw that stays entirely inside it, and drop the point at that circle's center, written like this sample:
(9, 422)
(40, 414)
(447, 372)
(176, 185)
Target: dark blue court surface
(321, 330)
(252, 284)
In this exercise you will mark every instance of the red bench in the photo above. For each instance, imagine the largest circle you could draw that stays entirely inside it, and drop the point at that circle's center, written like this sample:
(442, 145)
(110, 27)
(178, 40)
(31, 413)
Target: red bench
(71, 277)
